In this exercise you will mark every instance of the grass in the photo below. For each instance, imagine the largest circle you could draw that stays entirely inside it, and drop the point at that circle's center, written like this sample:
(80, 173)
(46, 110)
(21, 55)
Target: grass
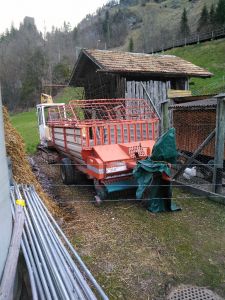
(26, 124)
(209, 55)
(138, 255)
(69, 93)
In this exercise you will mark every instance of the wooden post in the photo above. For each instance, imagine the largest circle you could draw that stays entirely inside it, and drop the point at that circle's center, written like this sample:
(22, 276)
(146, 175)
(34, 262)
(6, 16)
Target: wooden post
(219, 144)
(165, 116)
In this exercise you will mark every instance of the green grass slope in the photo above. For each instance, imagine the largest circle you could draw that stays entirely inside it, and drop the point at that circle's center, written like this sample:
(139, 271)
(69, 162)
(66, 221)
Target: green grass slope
(210, 55)
(69, 93)
(160, 18)
(26, 124)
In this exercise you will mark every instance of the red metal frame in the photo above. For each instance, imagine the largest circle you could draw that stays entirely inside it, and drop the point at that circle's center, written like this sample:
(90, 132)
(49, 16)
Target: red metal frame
(105, 123)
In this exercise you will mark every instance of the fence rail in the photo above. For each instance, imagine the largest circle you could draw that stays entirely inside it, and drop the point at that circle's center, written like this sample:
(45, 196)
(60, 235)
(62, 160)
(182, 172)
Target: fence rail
(191, 39)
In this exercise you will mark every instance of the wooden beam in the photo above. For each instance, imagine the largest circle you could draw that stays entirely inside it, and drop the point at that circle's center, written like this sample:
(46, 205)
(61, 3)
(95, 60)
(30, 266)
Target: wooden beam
(178, 93)
(165, 116)
(219, 144)
(158, 115)
(200, 192)
(196, 153)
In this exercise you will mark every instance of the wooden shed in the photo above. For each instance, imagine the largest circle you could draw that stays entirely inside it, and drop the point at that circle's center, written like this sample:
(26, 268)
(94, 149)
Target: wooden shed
(193, 122)
(113, 74)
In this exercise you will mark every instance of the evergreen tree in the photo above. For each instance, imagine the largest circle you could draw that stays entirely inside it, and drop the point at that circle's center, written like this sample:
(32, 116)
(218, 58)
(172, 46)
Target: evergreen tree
(220, 12)
(106, 28)
(212, 16)
(203, 23)
(131, 45)
(184, 27)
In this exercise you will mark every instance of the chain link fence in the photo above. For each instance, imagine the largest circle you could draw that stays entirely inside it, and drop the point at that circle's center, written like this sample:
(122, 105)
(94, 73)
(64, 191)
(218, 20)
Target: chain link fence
(197, 127)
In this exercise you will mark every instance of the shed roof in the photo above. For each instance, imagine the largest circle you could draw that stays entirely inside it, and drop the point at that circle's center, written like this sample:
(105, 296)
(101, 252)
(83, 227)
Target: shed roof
(199, 104)
(152, 64)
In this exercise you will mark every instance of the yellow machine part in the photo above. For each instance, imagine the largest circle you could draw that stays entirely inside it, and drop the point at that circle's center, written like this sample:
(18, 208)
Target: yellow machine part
(46, 98)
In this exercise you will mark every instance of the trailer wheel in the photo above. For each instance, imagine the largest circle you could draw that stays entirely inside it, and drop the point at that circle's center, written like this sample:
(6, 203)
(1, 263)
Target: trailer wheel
(67, 171)
(101, 191)
(98, 201)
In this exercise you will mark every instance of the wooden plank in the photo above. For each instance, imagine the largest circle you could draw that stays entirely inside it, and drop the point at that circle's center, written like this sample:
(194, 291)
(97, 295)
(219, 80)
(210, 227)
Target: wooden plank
(197, 162)
(219, 144)
(132, 89)
(168, 86)
(58, 130)
(165, 116)
(147, 85)
(72, 139)
(155, 99)
(128, 94)
(137, 93)
(8, 278)
(141, 91)
(164, 94)
(196, 153)
(160, 86)
(151, 102)
(200, 192)
(178, 93)
(150, 89)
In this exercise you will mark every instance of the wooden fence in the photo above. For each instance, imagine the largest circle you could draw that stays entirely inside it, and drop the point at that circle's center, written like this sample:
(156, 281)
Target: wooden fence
(191, 39)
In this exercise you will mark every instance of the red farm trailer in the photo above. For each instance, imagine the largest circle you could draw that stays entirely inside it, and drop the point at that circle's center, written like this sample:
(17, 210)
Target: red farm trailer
(103, 138)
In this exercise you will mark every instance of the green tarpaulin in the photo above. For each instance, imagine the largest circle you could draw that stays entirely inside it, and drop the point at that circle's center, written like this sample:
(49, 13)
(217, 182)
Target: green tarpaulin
(155, 190)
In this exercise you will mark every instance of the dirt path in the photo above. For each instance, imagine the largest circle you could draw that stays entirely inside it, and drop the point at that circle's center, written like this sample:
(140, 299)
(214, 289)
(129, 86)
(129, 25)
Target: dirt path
(133, 253)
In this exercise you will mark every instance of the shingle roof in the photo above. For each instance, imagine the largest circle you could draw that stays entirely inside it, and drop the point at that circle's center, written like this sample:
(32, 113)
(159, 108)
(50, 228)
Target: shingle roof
(127, 62)
(199, 104)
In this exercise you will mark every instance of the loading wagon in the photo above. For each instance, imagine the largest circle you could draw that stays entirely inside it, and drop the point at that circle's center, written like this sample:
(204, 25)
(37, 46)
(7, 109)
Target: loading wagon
(102, 138)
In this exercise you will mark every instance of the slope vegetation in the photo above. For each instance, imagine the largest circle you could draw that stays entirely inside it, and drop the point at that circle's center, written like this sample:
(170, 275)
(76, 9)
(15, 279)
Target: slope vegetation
(210, 55)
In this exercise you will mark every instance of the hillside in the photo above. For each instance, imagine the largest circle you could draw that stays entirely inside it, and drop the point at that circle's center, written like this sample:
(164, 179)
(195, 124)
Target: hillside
(209, 55)
(127, 25)
(147, 23)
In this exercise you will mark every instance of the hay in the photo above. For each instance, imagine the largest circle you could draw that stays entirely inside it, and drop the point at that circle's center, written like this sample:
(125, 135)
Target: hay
(22, 172)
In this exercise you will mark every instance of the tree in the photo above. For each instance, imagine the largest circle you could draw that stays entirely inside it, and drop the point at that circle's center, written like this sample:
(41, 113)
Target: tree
(61, 72)
(212, 16)
(203, 23)
(131, 45)
(106, 28)
(32, 81)
(184, 27)
(220, 12)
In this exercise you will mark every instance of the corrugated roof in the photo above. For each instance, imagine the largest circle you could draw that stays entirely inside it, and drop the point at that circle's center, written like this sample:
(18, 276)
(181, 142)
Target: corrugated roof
(201, 104)
(128, 62)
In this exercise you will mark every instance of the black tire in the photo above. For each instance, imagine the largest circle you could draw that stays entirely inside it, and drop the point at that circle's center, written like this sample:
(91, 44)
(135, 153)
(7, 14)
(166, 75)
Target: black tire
(67, 171)
(100, 190)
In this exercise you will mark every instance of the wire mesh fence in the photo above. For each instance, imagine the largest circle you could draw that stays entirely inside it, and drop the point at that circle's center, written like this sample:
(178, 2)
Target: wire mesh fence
(195, 124)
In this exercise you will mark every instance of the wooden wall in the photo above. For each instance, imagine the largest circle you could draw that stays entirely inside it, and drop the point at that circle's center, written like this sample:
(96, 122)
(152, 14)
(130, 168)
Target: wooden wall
(157, 90)
(104, 86)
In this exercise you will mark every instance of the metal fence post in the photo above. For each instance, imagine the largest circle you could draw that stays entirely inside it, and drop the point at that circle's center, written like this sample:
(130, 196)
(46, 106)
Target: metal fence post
(219, 144)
